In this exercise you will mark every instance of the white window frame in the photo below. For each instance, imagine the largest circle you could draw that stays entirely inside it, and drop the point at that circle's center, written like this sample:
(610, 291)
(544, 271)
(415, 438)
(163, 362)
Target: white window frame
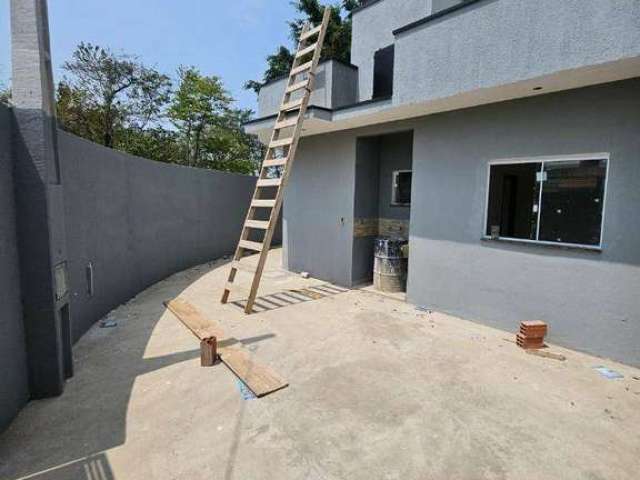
(394, 184)
(548, 159)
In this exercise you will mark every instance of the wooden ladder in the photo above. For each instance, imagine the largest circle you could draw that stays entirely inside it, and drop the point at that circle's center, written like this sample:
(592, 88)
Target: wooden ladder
(280, 155)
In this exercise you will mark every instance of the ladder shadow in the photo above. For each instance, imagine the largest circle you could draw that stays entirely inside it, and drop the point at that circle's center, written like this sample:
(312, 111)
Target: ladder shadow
(287, 298)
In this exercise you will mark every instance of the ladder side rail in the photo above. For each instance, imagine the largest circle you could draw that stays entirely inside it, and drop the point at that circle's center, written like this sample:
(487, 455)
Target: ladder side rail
(275, 212)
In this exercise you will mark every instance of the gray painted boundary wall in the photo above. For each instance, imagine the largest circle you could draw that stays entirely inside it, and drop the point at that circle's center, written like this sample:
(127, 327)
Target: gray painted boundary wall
(14, 390)
(590, 299)
(138, 221)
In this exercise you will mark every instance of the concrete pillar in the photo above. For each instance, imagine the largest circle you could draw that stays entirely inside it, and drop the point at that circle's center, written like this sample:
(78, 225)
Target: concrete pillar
(39, 202)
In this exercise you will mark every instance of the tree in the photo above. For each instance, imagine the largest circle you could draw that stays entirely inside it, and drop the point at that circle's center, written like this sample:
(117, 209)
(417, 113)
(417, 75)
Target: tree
(337, 43)
(5, 96)
(278, 65)
(209, 128)
(119, 89)
(77, 114)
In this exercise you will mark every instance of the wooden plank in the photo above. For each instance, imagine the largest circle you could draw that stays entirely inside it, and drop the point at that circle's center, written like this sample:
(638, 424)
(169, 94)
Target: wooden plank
(306, 50)
(193, 320)
(291, 122)
(259, 224)
(274, 162)
(302, 68)
(256, 202)
(249, 245)
(261, 380)
(311, 33)
(269, 182)
(285, 142)
(297, 86)
(292, 105)
(545, 354)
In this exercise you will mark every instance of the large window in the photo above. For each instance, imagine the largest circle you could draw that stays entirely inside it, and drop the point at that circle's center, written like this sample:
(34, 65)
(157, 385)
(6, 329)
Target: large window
(559, 200)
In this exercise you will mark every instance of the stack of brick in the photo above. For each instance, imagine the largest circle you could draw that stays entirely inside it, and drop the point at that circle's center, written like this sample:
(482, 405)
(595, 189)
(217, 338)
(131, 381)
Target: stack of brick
(531, 334)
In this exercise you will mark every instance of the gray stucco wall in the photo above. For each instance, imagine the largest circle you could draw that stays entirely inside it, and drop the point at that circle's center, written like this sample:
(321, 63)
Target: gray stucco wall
(138, 221)
(396, 152)
(318, 208)
(13, 373)
(336, 86)
(372, 30)
(500, 42)
(589, 299)
(366, 198)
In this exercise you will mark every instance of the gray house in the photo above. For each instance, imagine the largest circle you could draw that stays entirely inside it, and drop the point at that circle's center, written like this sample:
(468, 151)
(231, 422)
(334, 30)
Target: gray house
(502, 137)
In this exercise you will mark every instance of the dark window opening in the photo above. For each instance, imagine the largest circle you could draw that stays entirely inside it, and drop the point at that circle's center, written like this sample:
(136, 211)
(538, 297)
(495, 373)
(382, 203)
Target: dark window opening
(551, 201)
(401, 193)
(383, 61)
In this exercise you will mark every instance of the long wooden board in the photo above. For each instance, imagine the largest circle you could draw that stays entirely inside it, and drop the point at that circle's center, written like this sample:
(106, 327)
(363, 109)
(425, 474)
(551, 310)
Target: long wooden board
(260, 379)
(201, 327)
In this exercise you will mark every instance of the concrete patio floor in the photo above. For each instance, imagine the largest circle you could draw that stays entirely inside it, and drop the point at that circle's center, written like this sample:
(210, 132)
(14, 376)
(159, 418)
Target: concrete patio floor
(378, 390)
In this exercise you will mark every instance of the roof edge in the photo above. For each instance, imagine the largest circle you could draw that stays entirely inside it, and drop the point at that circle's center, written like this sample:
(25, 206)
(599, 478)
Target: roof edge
(434, 16)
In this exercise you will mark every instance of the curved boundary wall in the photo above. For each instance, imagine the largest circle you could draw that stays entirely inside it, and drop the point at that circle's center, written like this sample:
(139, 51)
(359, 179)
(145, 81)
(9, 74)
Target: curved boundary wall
(131, 222)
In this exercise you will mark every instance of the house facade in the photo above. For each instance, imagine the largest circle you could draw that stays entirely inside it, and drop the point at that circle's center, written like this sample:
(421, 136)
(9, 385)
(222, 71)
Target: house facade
(502, 138)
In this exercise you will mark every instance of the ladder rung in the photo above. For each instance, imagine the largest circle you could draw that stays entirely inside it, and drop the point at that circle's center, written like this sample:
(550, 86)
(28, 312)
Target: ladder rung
(258, 224)
(311, 33)
(298, 86)
(281, 143)
(291, 122)
(274, 162)
(302, 68)
(306, 51)
(269, 182)
(249, 245)
(263, 203)
(291, 105)
(245, 267)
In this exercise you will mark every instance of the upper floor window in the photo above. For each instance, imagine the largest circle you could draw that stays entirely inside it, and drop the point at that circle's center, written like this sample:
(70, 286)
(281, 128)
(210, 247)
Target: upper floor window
(383, 72)
(558, 201)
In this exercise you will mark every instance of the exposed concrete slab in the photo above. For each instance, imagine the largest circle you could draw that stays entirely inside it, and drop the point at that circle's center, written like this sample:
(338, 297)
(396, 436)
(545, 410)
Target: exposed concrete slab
(377, 390)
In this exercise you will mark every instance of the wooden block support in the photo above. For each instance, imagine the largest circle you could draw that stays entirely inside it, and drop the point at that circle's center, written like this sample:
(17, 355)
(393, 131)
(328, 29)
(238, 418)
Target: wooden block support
(208, 352)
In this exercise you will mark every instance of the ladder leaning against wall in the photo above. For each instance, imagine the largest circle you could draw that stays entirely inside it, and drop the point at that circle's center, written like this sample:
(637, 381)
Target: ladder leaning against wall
(280, 156)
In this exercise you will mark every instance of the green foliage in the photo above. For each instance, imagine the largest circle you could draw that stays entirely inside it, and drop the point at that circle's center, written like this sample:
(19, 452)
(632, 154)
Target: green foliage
(337, 43)
(209, 128)
(119, 89)
(117, 101)
(5, 96)
(154, 143)
(278, 65)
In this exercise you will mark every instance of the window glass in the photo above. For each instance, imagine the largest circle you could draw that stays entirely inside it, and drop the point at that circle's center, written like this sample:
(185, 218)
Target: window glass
(513, 201)
(557, 201)
(572, 198)
(383, 72)
(401, 188)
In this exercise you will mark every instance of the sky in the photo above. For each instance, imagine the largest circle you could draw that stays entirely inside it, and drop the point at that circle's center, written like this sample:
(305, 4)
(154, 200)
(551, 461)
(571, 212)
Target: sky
(228, 38)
